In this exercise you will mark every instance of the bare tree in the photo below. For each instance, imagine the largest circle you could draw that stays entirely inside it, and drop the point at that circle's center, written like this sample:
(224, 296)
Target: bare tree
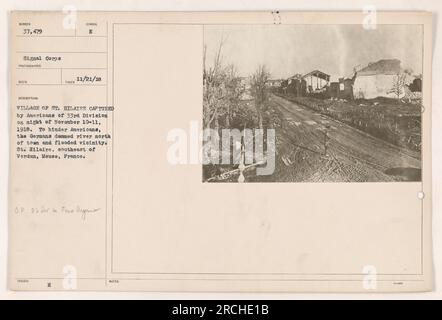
(222, 90)
(212, 85)
(399, 83)
(259, 91)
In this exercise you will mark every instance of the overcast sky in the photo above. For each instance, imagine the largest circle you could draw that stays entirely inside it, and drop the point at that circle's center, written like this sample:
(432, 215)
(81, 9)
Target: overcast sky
(333, 49)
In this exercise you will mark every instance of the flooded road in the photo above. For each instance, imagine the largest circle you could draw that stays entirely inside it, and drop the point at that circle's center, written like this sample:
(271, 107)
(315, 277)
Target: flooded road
(313, 147)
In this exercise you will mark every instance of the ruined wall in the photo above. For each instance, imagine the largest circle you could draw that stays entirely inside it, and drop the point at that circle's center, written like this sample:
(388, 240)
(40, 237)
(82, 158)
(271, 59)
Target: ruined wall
(373, 86)
(315, 83)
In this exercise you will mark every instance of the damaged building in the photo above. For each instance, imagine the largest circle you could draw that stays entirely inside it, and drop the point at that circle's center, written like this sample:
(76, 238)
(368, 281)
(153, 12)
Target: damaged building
(341, 89)
(296, 85)
(274, 83)
(317, 81)
(384, 78)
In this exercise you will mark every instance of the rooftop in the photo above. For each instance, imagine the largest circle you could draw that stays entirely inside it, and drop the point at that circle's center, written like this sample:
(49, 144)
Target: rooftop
(385, 66)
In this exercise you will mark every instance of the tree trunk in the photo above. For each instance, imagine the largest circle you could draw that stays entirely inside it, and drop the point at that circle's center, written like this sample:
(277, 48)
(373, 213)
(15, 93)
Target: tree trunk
(216, 123)
(260, 125)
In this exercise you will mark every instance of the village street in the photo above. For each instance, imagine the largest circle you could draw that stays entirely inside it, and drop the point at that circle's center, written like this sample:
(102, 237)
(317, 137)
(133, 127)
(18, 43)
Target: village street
(314, 147)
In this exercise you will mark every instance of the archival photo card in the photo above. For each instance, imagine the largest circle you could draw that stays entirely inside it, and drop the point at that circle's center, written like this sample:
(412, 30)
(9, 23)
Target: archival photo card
(220, 151)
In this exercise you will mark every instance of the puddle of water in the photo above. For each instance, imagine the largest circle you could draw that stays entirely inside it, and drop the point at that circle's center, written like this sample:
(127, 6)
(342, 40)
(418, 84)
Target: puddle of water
(406, 173)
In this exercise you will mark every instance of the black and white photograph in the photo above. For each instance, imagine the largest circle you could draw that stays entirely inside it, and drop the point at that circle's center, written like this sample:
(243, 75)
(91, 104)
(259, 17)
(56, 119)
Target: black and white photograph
(343, 103)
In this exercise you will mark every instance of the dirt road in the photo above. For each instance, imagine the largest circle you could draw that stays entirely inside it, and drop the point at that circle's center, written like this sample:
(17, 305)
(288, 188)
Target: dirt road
(314, 147)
